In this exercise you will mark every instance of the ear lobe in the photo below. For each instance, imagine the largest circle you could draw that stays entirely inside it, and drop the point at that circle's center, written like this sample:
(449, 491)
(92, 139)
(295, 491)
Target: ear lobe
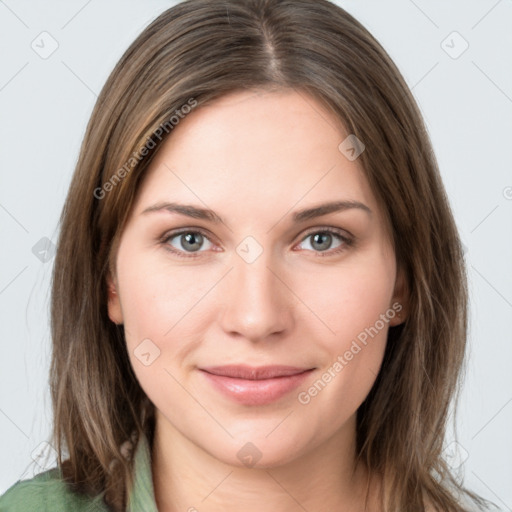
(400, 301)
(114, 304)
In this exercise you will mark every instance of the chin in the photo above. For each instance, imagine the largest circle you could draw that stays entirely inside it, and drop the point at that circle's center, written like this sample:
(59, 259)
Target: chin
(257, 451)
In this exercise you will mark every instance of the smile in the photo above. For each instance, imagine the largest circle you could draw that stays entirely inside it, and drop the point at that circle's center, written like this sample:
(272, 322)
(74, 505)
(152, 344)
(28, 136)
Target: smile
(255, 385)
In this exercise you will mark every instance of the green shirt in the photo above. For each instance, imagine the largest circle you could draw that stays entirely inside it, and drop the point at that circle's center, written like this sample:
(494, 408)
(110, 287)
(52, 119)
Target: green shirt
(47, 492)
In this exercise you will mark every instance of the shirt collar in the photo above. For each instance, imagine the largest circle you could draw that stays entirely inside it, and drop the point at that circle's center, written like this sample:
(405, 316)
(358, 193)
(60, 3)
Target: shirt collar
(142, 496)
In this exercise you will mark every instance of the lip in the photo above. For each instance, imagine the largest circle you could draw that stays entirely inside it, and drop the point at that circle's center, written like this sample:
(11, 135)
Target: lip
(255, 385)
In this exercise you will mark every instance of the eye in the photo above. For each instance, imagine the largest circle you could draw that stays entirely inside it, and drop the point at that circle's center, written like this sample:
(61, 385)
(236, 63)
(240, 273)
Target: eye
(327, 239)
(187, 242)
(324, 242)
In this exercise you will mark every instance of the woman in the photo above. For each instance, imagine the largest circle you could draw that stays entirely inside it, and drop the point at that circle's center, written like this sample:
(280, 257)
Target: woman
(219, 344)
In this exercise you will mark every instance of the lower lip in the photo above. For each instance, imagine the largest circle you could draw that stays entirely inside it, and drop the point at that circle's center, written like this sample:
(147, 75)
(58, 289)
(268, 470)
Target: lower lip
(256, 392)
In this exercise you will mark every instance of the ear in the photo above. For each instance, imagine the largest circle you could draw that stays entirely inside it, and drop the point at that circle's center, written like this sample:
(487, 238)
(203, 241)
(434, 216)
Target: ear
(400, 301)
(114, 304)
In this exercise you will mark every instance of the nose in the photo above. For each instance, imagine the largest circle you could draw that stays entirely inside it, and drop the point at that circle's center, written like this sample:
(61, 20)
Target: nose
(257, 302)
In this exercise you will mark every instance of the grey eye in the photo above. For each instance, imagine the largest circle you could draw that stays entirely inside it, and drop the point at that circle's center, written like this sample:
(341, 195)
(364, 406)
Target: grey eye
(188, 241)
(322, 241)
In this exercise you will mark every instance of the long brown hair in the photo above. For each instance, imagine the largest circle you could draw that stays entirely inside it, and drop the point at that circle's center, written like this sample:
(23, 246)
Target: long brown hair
(192, 54)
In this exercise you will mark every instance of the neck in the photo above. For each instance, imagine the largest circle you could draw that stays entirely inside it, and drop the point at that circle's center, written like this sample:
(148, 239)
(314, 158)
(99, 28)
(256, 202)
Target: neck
(187, 478)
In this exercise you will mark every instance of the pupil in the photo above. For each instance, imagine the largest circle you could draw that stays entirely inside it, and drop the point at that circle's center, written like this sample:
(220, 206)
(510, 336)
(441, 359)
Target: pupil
(322, 241)
(192, 241)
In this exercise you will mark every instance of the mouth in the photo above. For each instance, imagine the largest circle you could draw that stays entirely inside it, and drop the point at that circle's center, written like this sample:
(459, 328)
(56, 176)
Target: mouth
(255, 385)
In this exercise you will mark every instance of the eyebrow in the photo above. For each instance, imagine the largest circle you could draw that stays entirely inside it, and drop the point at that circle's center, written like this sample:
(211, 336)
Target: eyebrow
(299, 216)
(325, 208)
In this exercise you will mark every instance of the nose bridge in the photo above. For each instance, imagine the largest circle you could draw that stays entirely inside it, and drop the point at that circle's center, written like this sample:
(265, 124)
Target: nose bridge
(255, 300)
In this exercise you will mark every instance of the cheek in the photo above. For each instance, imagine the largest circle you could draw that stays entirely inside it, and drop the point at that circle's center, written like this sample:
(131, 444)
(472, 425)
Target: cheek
(158, 299)
(163, 318)
(166, 313)
(354, 303)
(348, 299)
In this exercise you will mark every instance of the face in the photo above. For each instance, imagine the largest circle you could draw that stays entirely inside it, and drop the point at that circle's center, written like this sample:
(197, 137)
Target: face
(256, 280)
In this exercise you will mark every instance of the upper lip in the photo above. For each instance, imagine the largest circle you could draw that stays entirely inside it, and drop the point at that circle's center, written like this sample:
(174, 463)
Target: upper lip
(254, 373)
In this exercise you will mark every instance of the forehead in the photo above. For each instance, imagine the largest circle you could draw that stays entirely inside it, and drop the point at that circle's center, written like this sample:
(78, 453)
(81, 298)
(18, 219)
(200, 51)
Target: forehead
(256, 149)
(242, 122)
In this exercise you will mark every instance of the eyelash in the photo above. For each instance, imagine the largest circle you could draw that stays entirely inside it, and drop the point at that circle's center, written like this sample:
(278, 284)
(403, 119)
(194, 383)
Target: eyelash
(348, 241)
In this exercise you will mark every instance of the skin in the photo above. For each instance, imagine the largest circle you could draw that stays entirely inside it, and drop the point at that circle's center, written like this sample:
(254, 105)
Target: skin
(255, 158)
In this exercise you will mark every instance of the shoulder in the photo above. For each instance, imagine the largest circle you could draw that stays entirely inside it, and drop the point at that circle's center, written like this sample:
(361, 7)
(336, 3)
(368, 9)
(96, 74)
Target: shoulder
(47, 492)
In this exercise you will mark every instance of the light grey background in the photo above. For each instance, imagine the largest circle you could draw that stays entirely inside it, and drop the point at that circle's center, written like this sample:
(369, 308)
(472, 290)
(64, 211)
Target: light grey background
(467, 104)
